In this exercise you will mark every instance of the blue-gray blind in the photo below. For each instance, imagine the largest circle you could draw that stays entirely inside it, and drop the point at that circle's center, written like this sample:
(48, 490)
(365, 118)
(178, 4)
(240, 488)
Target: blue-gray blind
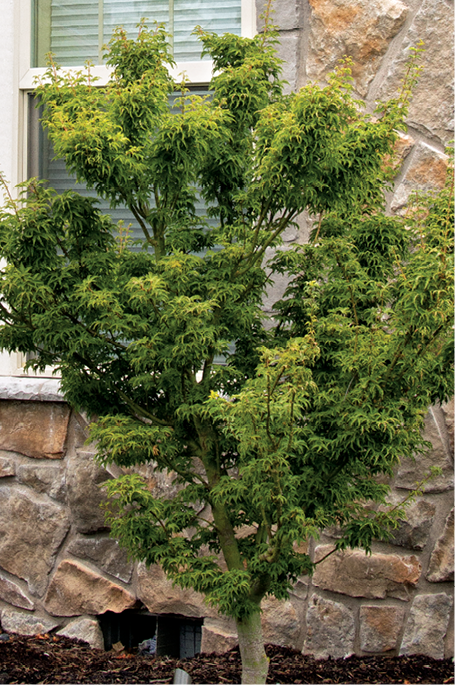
(76, 30)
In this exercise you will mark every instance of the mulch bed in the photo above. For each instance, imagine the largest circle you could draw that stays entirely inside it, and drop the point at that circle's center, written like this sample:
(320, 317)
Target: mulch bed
(47, 659)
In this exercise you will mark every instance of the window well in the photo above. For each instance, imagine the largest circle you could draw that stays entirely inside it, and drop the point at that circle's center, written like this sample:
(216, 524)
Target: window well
(176, 636)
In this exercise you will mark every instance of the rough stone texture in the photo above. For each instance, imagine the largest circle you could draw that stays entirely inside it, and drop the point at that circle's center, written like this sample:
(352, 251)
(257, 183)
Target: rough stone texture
(86, 629)
(431, 108)
(32, 529)
(440, 568)
(11, 592)
(358, 575)
(330, 629)
(414, 531)
(105, 553)
(427, 625)
(218, 635)
(361, 29)
(75, 589)
(161, 596)
(280, 623)
(426, 172)
(83, 478)
(411, 472)
(25, 624)
(380, 627)
(7, 467)
(44, 478)
(36, 429)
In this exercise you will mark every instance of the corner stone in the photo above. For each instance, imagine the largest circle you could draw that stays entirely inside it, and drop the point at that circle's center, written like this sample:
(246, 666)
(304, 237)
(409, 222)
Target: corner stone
(427, 626)
(358, 575)
(86, 629)
(36, 429)
(25, 624)
(380, 627)
(75, 589)
(330, 629)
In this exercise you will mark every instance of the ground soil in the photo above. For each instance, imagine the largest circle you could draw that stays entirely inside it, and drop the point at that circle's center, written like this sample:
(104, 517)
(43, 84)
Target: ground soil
(47, 659)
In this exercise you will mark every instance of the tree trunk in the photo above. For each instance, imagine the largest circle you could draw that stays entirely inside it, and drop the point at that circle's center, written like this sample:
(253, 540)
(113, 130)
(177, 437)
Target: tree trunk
(255, 664)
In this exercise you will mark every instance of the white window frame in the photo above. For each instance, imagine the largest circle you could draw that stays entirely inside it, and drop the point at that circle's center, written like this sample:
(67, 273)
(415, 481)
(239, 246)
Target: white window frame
(198, 73)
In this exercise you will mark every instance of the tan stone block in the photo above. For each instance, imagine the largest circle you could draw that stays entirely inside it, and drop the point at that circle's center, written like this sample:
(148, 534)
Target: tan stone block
(361, 29)
(32, 528)
(356, 574)
(160, 596)
(36, 429)
(75, 589)
(380, 627)
(427, 625)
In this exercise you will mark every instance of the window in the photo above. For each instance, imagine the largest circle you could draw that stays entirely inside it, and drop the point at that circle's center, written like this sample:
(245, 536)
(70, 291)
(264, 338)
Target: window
(77, 30)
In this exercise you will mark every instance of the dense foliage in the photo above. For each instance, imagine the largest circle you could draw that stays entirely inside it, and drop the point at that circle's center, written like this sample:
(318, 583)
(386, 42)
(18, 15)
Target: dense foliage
(290, 432)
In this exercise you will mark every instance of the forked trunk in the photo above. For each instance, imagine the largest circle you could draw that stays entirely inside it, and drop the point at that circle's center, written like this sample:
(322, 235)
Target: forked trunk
(255, 664)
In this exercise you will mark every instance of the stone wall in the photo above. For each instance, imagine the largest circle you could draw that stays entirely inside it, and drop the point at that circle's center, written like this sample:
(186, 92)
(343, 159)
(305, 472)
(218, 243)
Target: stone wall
(58, 567)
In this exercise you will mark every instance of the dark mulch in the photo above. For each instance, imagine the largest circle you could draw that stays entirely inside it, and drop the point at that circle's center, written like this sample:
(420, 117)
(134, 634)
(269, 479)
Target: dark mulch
(44, 659)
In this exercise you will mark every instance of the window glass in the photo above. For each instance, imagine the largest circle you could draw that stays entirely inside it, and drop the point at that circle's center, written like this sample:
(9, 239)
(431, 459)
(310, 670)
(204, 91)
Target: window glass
(75, 31)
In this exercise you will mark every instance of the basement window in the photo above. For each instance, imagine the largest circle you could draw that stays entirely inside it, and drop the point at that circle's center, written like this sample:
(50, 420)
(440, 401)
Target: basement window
(176, 636)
